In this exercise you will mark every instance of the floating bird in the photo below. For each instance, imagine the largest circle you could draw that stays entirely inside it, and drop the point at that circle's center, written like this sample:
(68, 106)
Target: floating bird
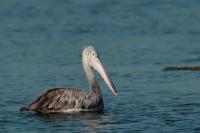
(63, 100)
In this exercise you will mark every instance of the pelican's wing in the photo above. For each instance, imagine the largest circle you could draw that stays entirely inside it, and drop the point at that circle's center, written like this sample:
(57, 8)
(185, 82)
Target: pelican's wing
(57, 99)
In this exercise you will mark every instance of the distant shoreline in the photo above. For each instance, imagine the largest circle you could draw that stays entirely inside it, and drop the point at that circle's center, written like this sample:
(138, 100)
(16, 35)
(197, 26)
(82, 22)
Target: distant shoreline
(186, 68)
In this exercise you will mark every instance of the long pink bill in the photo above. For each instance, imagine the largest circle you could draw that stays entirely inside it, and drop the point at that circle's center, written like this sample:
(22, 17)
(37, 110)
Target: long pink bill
(97, 65)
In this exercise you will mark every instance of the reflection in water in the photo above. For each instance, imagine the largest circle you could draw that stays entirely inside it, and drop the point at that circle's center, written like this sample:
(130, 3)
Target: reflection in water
(90, 120)
(63, 116)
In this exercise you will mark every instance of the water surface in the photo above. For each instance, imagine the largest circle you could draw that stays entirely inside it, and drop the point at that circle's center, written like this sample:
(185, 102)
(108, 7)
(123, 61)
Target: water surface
(40, 48)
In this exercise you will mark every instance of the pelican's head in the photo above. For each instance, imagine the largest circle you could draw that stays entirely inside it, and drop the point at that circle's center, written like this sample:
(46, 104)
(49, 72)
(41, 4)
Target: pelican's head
(91, 61)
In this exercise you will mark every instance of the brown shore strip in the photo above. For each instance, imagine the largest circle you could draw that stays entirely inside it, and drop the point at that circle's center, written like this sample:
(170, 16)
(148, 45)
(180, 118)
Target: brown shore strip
(191, 68)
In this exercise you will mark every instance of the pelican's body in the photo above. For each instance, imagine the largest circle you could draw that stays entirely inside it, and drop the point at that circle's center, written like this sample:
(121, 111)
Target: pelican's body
(63, 100)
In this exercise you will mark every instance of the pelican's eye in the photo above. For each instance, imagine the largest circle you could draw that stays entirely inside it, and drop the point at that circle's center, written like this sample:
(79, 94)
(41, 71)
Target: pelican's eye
(93, 54)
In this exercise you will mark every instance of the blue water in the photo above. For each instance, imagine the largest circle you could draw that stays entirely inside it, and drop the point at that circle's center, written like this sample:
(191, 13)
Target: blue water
(40, 48)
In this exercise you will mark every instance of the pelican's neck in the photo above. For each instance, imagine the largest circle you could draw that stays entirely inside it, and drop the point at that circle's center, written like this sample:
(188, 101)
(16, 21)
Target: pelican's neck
(93, 84)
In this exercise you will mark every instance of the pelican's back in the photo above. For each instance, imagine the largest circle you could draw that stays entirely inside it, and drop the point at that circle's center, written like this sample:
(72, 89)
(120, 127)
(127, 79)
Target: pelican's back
(66, 100)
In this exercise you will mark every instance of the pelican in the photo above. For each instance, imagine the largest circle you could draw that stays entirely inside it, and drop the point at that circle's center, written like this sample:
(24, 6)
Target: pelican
(63, 100)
